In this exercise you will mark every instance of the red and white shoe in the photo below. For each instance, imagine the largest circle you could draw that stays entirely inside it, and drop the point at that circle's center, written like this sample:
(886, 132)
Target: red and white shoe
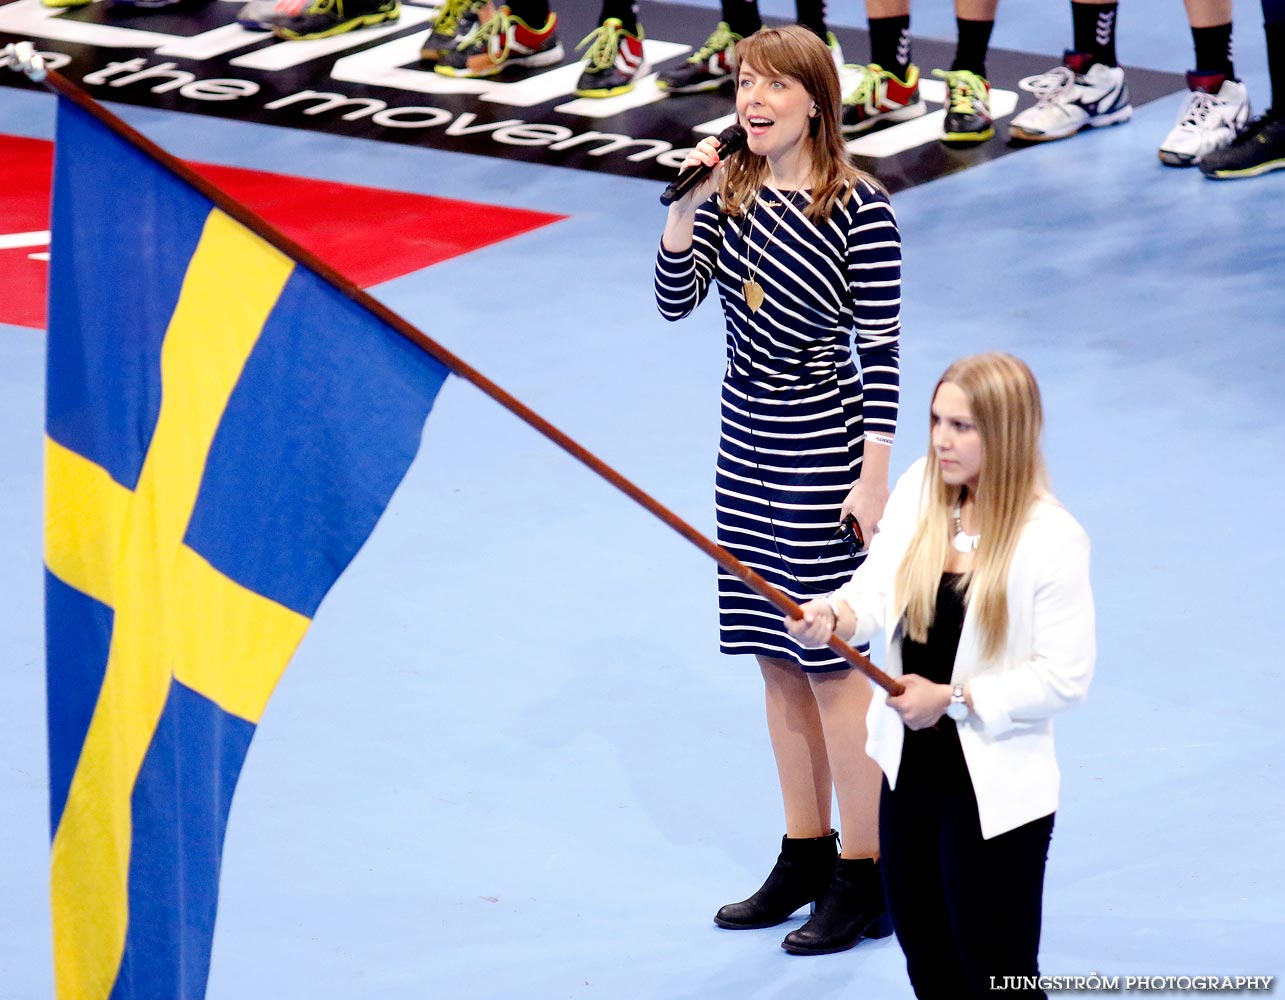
(614, 60)
(501, 40)
(880, 96)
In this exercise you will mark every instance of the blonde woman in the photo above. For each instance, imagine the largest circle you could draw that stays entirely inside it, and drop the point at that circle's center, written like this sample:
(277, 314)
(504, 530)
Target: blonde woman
(804, 251)
(979, 580)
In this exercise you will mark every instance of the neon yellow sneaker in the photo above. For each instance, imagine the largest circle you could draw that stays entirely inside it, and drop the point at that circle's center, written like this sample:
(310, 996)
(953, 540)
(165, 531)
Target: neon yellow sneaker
(613, 62)
(454, 21)
(323, 18)
(968, 107)
(711, 66)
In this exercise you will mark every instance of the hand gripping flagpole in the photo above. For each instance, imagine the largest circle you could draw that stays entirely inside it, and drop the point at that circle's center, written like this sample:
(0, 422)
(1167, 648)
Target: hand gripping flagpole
(23, 57)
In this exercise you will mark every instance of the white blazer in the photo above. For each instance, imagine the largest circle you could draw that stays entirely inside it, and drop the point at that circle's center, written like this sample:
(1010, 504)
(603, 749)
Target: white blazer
(1045, 666)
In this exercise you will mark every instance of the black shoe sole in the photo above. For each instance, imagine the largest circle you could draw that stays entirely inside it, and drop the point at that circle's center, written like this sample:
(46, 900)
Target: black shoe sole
(880, 927)
(1241, 173)
(904, 114)
(727, 925)
(697, 88)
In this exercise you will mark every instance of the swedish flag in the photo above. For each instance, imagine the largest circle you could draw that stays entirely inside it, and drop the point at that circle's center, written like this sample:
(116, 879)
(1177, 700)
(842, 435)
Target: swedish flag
(224, 430)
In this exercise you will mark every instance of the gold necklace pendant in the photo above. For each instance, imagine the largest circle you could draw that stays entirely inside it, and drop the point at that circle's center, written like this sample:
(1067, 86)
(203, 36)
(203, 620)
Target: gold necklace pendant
(754, 294)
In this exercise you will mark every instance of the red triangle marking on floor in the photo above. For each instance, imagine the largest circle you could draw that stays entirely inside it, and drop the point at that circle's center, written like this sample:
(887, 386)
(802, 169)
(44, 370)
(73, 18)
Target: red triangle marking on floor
(370, 235)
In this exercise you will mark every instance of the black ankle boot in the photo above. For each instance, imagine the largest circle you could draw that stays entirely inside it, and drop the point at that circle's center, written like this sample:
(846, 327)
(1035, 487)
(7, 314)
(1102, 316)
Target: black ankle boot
(801, 875)
(852, 908)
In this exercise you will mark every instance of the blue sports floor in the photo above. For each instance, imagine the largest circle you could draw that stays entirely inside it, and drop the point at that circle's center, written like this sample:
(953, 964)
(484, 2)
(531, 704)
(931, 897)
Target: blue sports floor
(509, 762)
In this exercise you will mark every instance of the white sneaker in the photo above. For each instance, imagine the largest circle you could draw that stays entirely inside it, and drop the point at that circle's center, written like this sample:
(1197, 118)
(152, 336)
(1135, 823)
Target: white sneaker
(1077, 95)
(257, 15)
(1216, 109)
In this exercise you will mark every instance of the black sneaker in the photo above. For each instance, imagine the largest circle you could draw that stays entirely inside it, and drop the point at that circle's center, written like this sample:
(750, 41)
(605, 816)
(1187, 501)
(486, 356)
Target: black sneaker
(323, 18)
(968, 108)
(1256, 150)
(613, 62)
(454, 20)
(708, 68)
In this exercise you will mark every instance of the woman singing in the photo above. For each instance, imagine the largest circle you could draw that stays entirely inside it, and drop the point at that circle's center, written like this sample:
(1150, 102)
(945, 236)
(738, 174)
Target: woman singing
(805, 250)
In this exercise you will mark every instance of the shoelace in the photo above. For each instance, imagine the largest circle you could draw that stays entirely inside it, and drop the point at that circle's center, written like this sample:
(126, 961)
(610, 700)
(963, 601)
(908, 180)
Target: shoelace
(483, 33)
(866, 88)
(1049, 86)
(966, 87)
(603, 43)
(325, 6)
(721, 39)
(1198, 110)
(448, 16)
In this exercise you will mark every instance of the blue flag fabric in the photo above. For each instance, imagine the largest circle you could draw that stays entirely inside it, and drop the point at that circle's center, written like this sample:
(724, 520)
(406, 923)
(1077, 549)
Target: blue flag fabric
(224, 429)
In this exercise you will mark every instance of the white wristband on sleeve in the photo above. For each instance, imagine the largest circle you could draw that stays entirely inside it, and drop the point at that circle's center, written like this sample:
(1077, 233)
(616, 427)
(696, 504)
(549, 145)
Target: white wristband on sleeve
(831, 600)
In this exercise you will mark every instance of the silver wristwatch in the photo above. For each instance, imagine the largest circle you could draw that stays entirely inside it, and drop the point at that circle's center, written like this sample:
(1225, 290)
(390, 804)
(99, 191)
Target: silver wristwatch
(958, 707)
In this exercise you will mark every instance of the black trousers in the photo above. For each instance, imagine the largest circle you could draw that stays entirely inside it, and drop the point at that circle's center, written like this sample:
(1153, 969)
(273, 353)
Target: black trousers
(964, 909)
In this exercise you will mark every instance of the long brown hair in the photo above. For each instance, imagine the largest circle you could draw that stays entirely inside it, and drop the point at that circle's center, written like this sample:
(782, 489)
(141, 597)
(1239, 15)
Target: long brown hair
(1004, 400)
(797, 52)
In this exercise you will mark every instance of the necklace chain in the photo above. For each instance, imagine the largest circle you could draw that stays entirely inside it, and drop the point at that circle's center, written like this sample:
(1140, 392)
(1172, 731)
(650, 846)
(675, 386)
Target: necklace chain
(962, 541)
(754, 294)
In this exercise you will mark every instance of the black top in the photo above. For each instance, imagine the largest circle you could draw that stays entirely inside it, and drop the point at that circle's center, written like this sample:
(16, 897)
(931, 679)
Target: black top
(934, 659)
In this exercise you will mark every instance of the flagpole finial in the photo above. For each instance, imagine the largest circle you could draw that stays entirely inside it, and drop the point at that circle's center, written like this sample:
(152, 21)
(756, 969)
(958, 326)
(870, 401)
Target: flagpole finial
(22, 57)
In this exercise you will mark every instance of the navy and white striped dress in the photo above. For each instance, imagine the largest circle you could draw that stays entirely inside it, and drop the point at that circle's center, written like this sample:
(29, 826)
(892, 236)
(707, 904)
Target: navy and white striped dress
(795, 409)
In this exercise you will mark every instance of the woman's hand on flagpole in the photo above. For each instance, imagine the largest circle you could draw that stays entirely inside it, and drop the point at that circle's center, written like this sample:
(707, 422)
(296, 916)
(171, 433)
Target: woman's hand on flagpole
(816, 626)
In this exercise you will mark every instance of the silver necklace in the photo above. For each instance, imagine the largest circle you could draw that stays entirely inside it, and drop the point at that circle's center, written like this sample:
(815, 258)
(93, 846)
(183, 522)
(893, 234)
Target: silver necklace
(962, 542)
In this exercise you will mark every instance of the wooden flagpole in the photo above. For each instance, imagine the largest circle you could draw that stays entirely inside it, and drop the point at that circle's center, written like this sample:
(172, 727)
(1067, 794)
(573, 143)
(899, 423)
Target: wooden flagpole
(24, 58)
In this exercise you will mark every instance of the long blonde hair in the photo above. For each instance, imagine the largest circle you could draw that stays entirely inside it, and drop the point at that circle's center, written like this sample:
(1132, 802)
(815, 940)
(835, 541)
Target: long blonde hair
(1005, 403)
(796, 52)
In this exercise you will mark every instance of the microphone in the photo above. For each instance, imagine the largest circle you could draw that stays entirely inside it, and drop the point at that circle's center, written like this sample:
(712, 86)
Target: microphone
(730, 140)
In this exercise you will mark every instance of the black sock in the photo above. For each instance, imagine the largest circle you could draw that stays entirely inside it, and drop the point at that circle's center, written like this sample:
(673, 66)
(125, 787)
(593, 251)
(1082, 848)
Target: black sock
(811, 14)
(1276, 66)
(1094, 26)
(742, 16)
(1213, 50)
(890, 43)
(625, 11)
(974, 40)
(532, 13)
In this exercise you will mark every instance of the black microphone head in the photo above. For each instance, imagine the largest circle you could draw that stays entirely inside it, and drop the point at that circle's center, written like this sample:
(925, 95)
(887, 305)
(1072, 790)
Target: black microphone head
(730, 140)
